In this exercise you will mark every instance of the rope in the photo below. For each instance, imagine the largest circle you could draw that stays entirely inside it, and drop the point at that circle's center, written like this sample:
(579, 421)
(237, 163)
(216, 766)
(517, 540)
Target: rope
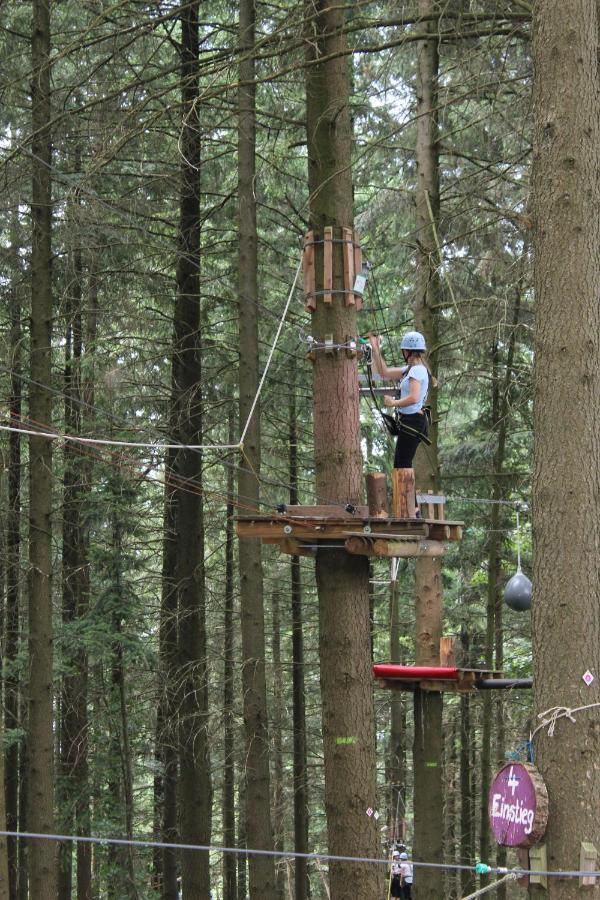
(512, 876)
(270, 357)
(159, 445)
(152, 445)
(550, 717)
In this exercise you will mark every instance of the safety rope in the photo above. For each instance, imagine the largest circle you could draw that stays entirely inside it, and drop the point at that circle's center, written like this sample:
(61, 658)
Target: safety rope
(511, 876)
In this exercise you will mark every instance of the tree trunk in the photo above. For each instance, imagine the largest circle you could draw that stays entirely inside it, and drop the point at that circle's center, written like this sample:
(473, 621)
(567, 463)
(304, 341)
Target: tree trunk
(566, 486)
(195, 786)
(397, 753)
(259, 831)
(278, 795)
(13, 585)
(122, 884)
(166, 725)
(301, 885)
(229, 859)
(40, 819)
(242, 860)
(427, 748)
(466, 783)
(342, 580)
(80, 718)
(75, 587)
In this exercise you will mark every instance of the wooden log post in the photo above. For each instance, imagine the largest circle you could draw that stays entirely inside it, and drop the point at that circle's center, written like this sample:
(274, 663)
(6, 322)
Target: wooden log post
(377, 495)
(400, 549)
(403, 493)
(447, 655)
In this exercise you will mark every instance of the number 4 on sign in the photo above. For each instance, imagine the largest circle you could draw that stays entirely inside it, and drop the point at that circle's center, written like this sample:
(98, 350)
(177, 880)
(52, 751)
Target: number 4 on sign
(513, 781)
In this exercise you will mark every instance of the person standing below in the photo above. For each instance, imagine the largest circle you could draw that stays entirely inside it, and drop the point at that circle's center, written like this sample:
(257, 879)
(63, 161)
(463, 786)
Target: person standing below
(395, 887)
(413, 384)
(406, 876)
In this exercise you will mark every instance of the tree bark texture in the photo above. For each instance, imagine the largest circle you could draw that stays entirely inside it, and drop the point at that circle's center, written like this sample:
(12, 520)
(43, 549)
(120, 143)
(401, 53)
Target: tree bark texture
(75, 589)
(228, 802)
(397, 753)
(566, 488)
(13, 585)
(195, 786)
(278, 719)
(42, 854)
(301, 886)
(428, 735)
(428, 744)
(342, 580)
(259, 830)
(167, 714)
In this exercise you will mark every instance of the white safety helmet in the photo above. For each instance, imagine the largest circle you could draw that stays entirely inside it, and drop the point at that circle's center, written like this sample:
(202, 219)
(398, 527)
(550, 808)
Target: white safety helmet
(404, 856)
(413, 340)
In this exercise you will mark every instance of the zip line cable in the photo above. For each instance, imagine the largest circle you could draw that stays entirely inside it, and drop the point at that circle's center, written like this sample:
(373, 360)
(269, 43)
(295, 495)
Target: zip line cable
(479, 868)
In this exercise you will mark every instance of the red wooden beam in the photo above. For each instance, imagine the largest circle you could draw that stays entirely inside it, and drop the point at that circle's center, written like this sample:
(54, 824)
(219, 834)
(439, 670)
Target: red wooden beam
(415, 673)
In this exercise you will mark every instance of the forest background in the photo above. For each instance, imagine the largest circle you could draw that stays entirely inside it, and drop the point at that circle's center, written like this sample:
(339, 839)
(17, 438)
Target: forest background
(146, 708)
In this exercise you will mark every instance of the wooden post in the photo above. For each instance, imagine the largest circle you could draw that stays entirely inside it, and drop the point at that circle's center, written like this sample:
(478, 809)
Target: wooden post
(447, 656)
(357, 267)
(403, 493)
(348, 251)
(308, 259)
(327, 264)
(377, 495)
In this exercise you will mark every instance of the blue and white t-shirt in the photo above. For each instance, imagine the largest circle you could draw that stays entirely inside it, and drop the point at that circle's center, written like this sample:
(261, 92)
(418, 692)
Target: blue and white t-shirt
(420, 374)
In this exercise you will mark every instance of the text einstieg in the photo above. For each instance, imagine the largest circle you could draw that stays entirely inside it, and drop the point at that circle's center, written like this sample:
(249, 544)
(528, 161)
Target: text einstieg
(513, 812)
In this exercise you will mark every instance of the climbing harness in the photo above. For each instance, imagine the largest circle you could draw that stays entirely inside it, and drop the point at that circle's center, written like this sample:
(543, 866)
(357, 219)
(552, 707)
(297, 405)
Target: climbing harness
(395, 425)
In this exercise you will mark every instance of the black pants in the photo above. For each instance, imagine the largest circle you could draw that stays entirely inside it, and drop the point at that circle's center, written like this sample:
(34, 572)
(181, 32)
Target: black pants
(409, 439)
(407, 888)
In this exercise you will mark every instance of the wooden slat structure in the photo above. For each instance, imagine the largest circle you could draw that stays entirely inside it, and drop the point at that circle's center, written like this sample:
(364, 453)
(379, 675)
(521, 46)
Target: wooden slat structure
(301, 530)
(351, 261)
(454, 679)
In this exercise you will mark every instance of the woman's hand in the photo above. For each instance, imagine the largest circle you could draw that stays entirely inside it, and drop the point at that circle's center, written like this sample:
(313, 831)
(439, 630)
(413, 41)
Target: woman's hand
(374, 341)
(389, 401)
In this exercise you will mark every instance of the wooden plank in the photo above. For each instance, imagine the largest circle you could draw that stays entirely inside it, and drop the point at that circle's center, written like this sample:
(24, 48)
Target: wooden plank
(358, 262)
(326, 529)
(327, 264)
(308, 264)
(391, 537)
(429, 497)
(443, 687)
(442, 532)
(341, 528)
(334, 510)
(348, 254)
(445, 532)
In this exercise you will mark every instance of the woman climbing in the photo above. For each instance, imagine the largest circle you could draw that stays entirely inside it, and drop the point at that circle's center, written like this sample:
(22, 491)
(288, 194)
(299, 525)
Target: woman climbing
(413, 384)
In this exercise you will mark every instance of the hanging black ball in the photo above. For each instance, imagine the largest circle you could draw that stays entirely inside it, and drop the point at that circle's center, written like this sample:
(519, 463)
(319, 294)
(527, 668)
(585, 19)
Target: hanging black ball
(517, 593)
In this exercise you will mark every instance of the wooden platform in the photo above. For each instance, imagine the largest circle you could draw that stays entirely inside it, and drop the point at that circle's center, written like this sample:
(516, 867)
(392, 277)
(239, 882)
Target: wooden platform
(455, 679)
(301, 530)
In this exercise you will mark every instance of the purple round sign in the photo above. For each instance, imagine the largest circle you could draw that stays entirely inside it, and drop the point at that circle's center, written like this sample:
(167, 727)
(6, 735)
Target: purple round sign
(518, 805)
